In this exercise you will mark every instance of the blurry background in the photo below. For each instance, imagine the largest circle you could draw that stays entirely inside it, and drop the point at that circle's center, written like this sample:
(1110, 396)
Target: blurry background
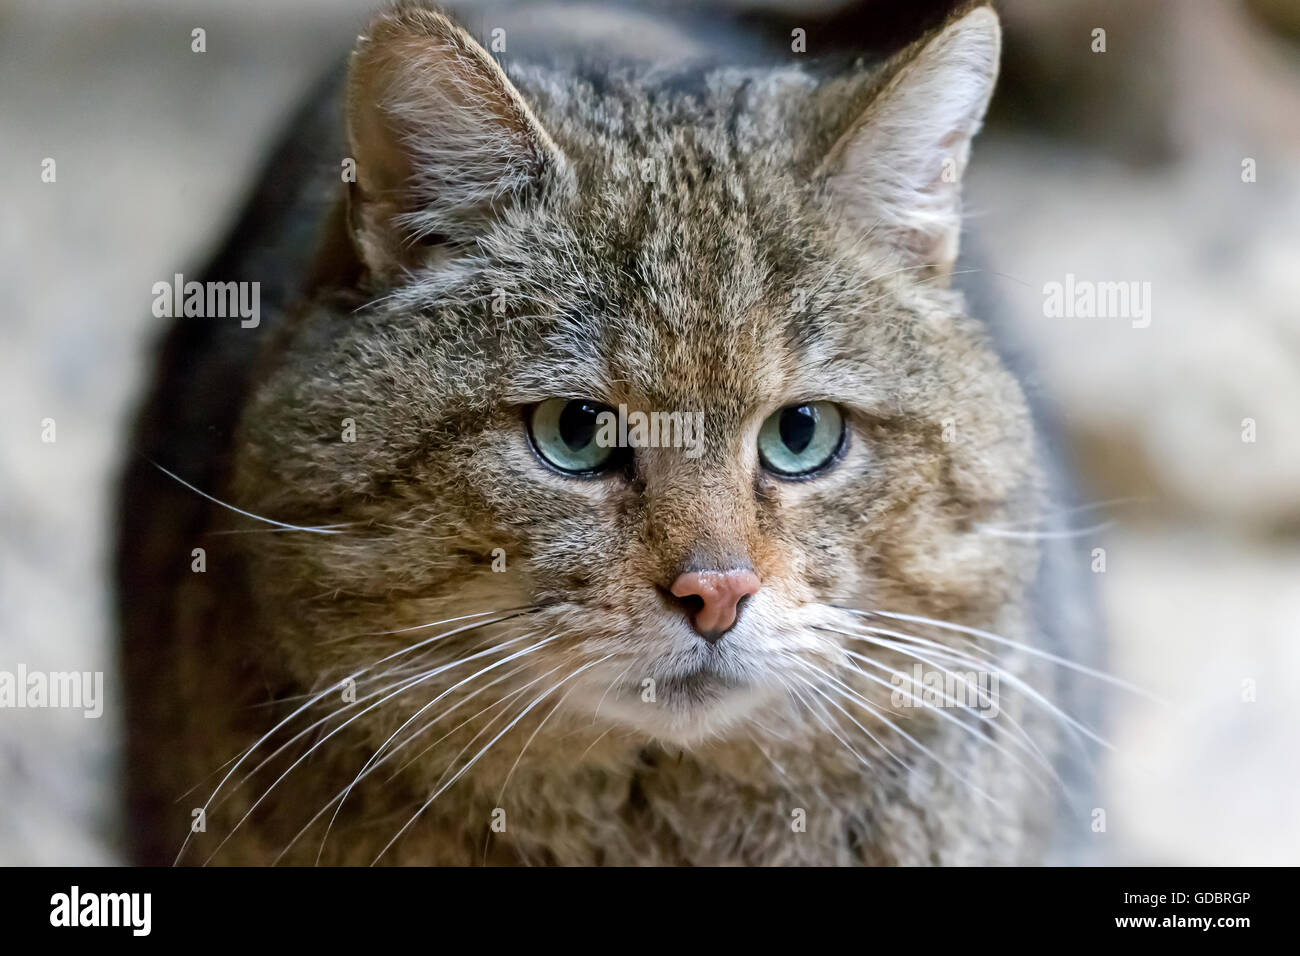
(1123, 165)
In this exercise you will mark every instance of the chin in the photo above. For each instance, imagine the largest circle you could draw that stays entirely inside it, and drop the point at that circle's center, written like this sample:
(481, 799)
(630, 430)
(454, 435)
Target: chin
(686, 711)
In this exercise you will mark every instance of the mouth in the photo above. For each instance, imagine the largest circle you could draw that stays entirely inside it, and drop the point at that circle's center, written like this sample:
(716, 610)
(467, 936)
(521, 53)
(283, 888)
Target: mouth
(684, 706)
(696, 688)
(682, 699)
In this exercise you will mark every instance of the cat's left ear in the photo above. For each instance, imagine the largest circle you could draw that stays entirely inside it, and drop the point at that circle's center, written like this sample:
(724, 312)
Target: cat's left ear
(897, 171)
(441, 138)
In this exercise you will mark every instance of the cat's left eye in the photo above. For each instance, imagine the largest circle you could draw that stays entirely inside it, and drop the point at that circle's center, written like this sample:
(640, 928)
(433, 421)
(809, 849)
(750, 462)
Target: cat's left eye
(801, 440)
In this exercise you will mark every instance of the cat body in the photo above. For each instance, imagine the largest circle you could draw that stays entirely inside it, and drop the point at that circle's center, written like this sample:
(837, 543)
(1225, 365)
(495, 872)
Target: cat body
(421, 641)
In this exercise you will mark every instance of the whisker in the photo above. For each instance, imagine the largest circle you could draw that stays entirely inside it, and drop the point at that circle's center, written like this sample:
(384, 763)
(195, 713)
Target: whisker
(421, 662)
(487, 837)
(826, 675)
(363, 772)
(542, 723)
(208, 777)
(1026, 648)
(795, 787)
(1073, 725)
(600, 703)
(321, 696)
(415, 665)
(477, 756)
(319, 813)
(1023, 734)
(798, 696)
(605, 733)
(861, 701)
(405, 682)
(986, 655)
(483, 730)
(1081, 509)
(1040, 758)
(229, 507)
(317, 745)
(1045, 535)
(511, 612)
(321, 528)
(1023, 740)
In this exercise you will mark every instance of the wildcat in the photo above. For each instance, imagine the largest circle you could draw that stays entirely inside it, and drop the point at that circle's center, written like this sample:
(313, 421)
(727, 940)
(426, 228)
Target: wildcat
(386, 598)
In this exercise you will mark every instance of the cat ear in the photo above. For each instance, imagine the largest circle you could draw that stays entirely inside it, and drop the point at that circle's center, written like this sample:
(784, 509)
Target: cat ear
(897, 171)
(440, 137)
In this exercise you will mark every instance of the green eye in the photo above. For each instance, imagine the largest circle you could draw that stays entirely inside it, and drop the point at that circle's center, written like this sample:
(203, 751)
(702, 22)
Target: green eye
(565, 432)
(801, 439)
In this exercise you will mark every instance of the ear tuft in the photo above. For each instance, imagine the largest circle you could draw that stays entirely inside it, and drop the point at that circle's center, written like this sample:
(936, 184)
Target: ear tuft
(440, 136)
(897, 171)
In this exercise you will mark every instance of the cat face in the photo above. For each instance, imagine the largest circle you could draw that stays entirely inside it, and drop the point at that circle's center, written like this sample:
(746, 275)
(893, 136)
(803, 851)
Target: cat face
(762, 263)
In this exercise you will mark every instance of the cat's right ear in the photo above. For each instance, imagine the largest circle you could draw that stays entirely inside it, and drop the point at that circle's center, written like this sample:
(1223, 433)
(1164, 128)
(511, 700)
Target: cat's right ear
(441, 139)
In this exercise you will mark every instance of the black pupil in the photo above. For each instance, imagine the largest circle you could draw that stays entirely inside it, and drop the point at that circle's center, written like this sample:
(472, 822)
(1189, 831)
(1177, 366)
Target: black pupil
(578, 424)
(798, 425)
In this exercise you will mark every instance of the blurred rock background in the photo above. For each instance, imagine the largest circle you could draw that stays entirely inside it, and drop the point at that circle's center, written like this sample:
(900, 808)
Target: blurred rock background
(1127, 165)
(1116, 165)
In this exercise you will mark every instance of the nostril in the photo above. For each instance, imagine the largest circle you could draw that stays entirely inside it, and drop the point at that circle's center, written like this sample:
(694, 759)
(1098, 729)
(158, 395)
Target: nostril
(688, 604)
(692, 604)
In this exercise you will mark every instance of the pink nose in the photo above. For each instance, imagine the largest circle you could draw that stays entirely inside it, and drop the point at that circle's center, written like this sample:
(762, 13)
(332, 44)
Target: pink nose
(720, 595)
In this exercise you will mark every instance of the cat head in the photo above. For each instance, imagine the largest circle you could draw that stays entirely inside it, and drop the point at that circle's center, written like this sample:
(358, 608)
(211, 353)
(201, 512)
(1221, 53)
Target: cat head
(651, 383)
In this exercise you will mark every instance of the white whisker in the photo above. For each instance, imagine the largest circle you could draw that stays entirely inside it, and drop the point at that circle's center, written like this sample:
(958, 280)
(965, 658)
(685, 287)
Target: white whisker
(1026, 648)
(1073, 725)
(382, 747)
(477, 756)
(247, 514)
(861, 701)
(420, 679)
(1044, 535)
(941, 712)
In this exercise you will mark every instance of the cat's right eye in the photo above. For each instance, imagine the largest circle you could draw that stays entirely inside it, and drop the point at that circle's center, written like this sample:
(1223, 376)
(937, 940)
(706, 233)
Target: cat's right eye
(565, 434)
